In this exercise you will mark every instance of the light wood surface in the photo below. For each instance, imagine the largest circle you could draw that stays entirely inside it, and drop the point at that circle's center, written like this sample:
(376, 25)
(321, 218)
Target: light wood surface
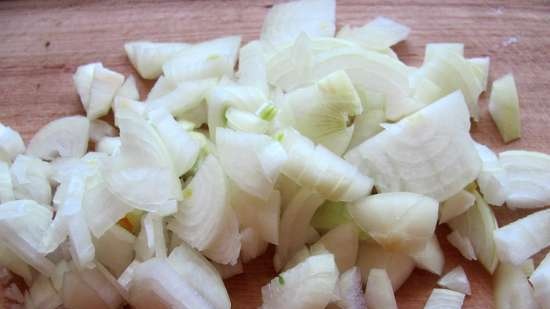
(42, 42)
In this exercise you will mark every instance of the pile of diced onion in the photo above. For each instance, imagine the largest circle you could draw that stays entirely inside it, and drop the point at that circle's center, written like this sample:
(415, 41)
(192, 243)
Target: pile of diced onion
(321, 143)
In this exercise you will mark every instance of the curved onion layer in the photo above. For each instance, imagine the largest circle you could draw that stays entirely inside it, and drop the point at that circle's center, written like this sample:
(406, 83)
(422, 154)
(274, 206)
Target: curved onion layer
(321, 112)
(309, 284)
(430, 257)
(63, 137)
(504, 108)
(286, 21)
(115, 249)
(478, 224)
(379, 34)
(511, 288)
(161, 87)
(480, 66)
(540, 279)
(528, 175)
(323, 171)
(368, 123)
(521, 239)
(252, 66)
(157, 284)
(100, 129)
(151, 240)
(463, 245)
(456, 205)
(343, 242)
(210, 59)
(456, 280)
(148, 57)
(83, 78)
(399, 266)
(252, 245)
(182, 99)
(201, 274)
(205, 218)
(443, 298)
(246, 121)
(493, 179)
(379, 292)
(30, 179)
(23, 223)
(399, 221)
(349, 290)
(429, 152)
(101, 89)
(251, 160)
(294, 226)
(11, 143)
(128, 89)
(262, 216)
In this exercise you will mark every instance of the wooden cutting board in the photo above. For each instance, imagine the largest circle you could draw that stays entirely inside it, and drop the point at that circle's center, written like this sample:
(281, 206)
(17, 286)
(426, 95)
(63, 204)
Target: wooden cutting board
(42, 42)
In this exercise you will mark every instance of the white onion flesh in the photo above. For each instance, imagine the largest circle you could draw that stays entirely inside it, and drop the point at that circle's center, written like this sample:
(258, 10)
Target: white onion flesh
(456, 280)
(115, 249)
(43, 295)
(379, 292)
(103, 88)
(378, 34)
(252, 245)
(11, 143)
(184, 98)
(30, 179)
(512, 289)
(493, 179)
(148, 57)
(252, 66)
(462, 244)
(100, 129)
(445, 299)
(342, 242)
(504, 108)
(456, 205)
(128, 89)
(540, 279)
(368, 123)
(6, 186)
(350, 290)
(430, 257)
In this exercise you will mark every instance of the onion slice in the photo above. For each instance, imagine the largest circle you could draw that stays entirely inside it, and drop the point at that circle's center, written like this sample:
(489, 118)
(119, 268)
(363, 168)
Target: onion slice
(442, 298)
(456, 280)
(379, 292)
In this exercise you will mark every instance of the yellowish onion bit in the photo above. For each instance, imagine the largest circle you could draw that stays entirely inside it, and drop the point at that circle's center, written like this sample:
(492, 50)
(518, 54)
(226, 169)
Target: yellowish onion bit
(216, 163)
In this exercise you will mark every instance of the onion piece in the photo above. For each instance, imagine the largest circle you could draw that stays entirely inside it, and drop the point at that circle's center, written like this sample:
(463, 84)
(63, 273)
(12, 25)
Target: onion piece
(398, 265)
(100, 129)
(30, 179)
(103, 88)
(511, 288)
(325, 172)
(504, 108)
(456, 280)
(480, 66)
(379, 34)
(23, 223)
(379, 292)
(478, 224)
(89, 288)
(456, 205)
(43, 295)
(82, 80)
(294, 225)
(183, 98)
(430, 257)
(367, 124)
(161, 87)
(251, 160)
(540, 279)
(309, 284)
(209, 59)
(321, 112)
(521, 239)
(528, 175)
(11, 143)
(227, 271)
(205, 219)
(57, 277)
(399, 221)
(63, 137)
(493, 179)
(109, 145)
(252, 245)
(128, 89)
(463, 244)
(435, 50)
(245, 121)
(414, 154)
(252, 66)
(342, 242)
(15, 264)
(148, 57)
(126, 277)
(6, 185)
(443, 298)
(349, 289)
(151, 241)
(330, 215)
(286, 21)
(115, 249)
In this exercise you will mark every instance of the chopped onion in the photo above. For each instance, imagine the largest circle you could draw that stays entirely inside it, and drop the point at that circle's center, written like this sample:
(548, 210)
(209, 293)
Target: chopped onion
(126, 277)
(456, 280)
(511, 288)
(30, 179)
(103, 88)
(324, 171)
(83, 78)
(309, 284)
(251, 160)
(521, 239)
(151, 241)
(100, 129)
(128, 89)
(368, 123)
(379, 292)
(213, 58)
(399, 221)
(43, 295)
(161, 87)
(246, 121)
(349, 289)
(11, 143)
(148, 57)
(442, 298)
(321, 112)
(294, 225)
(478, 224)
(540, 279)
(286, 21)
(109, 145)
(504, 108)
(528, 175)
(184, 98)
(6, 186)
(399, 266)
(115, 249)
(480, 67)
(436, 50)
(429, 152)
(330, 215)
(493, 179)
(252, 245)
(88, 288)
(63, 137)
(205, 219)
(15, 264)
(456, 205)
(227, 271)
(342, 242)
(430, 257)
(463, 244)
(252, 66)
(378, 34)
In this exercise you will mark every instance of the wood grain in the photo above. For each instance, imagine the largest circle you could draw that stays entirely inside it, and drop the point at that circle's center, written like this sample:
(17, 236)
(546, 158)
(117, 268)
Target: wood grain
(42, 42)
